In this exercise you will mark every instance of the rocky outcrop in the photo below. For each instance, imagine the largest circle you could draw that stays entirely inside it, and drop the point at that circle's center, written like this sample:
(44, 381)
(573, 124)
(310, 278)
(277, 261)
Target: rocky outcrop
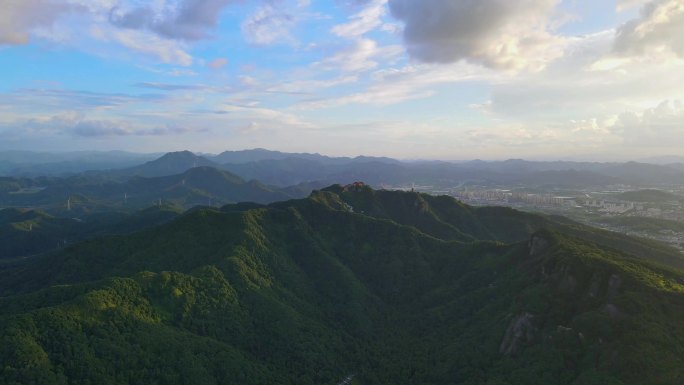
(614, 284)
(537, 245)
(594, 286)
(421, 205)
(520, 331)
(567, 282)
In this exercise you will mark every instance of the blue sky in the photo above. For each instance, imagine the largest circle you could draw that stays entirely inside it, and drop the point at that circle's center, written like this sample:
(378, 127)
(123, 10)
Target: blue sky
(432, 79)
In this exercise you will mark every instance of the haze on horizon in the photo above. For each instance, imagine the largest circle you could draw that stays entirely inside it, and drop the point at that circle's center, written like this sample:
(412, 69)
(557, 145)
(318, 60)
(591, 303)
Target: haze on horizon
(492, 79)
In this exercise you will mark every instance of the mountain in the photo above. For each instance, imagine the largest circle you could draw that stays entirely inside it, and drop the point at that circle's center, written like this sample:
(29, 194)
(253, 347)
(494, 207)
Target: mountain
(350, 285)
(292, 171)
(84, 194)
(664, 159)
(649, 195)
(260, 154)
(199, 184)
(169, 164)
(643, 173)
(286, 169)
(25, 233)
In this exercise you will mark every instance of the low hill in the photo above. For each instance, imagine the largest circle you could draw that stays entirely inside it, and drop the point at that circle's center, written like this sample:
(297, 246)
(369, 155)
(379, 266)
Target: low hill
(28, 232)
(169, 164)
(25, 232)
(349, 284)
(649, 195)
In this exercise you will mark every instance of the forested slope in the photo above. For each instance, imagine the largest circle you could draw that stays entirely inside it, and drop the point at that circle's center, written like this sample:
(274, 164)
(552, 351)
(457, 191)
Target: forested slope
(388, 287)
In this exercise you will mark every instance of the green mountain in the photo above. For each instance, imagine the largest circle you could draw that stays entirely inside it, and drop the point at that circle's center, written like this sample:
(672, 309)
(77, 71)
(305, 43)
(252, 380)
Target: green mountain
(84, 194)
(25, 232)
(28, 232)
(350, 285)
(168, 164)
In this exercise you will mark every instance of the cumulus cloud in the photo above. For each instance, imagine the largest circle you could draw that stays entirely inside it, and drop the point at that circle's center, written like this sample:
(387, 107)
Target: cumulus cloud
(658, 126)
(19, 17)
(495, 33)
(660, 26)
(268, 25)
(189, 20)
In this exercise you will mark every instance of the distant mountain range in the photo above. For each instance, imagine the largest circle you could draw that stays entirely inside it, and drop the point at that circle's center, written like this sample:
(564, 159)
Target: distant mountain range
(348, 286)
(92, 192)
(286, 169)
(169, 164)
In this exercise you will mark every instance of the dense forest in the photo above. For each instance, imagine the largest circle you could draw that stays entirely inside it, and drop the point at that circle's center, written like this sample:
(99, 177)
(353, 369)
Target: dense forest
(375, 287)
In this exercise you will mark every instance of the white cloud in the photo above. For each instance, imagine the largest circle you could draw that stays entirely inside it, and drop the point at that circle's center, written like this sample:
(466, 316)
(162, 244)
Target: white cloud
(310, 86)
(368, 19)
(660, 26)
(586, 82)
(396, 85)
(495, 33)
(76, 124)
(657, 126)
(19, 17)
(165, 50)
(361, 55)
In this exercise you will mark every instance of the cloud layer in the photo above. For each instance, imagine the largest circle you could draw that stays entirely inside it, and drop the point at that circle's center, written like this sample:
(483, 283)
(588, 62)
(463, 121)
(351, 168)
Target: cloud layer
(189, 20)
(495, 33)
(19, 17)
(660, 26)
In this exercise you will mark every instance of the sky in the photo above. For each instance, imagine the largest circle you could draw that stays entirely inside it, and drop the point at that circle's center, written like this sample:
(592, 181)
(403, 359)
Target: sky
(411, 79)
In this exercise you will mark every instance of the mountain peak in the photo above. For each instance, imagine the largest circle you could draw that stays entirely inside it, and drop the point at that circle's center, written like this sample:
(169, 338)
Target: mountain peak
(185, 154)
(171, 163)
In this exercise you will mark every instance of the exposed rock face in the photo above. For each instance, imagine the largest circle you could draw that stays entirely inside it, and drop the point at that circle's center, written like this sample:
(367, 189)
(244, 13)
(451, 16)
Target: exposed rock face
(595, 286)
(614, 284)
(520, 331)
(567, 283)
(421, 205)
(537, 245)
